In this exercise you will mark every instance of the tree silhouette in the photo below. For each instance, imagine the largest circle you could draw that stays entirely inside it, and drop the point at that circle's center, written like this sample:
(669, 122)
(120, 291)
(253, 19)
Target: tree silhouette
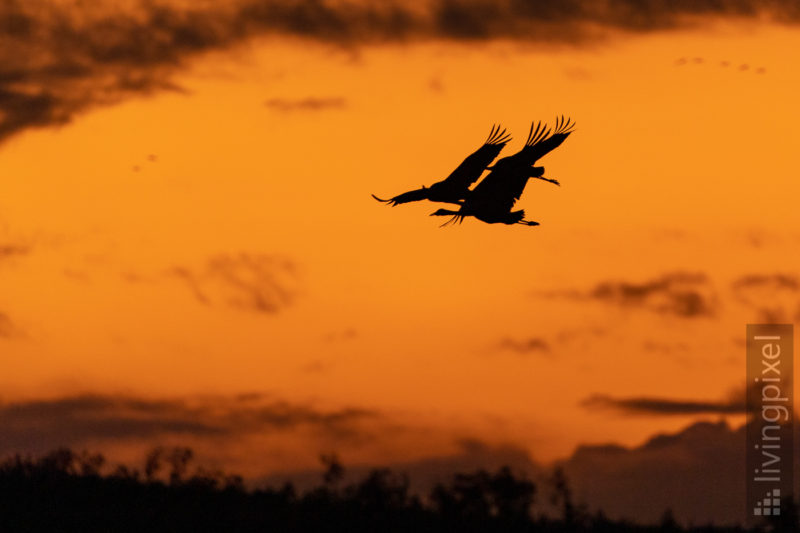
(65, 491)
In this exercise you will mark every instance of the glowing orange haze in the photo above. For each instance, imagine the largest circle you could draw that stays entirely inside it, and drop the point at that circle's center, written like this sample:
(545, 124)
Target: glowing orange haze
(675, 167)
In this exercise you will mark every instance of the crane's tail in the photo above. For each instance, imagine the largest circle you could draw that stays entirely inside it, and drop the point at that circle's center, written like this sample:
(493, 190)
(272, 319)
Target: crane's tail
(391, 201)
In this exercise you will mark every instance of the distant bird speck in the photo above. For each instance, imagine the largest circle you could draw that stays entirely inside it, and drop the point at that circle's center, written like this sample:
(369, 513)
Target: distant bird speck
(724, 63)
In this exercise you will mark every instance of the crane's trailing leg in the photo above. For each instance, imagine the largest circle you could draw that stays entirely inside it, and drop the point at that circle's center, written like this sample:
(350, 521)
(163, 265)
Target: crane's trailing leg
(550, 180)
(518, 217)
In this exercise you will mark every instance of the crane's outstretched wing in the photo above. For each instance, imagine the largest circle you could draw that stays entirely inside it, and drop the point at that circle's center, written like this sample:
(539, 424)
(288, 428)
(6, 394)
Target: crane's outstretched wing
(540, 142)
(456, 186)
(503, 186)
(473, 166)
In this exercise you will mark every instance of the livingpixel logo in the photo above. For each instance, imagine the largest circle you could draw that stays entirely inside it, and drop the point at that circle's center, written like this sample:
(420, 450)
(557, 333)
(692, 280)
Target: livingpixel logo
(770, 421)
(770, 505)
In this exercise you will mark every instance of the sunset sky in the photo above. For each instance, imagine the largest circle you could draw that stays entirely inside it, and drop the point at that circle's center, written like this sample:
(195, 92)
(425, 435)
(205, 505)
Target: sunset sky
(189, 253)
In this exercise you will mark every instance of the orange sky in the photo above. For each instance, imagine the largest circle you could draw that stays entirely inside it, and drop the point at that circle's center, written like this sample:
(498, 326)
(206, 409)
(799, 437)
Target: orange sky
(138, 274)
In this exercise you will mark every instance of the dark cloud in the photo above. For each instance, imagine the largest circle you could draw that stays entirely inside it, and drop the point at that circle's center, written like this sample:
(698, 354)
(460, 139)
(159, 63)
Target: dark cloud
(771, 281)
(587, 334)
(525, 346)
(576, 73)
(346, 334)
(773, 297)
(698, 473)
(317, 366)
(664, 406)
(574, 20)
(665, 348)
(677, 293)
(306, 104)
(436, 85)
(256, 282)
(73, 421)
(13, 250)
(59, 58)
(8, 329)
(682, 294)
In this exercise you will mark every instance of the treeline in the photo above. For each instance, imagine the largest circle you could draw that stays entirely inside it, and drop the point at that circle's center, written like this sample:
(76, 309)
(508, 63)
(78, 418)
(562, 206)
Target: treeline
(65, 491)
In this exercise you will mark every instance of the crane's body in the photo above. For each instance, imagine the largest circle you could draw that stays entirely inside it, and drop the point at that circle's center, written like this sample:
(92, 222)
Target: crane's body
(455, 187)
(493, 198)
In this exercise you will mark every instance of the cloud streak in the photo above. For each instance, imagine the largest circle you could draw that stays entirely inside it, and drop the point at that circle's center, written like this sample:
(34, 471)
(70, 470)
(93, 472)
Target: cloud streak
(769, 281)
(663, 406)
(306, 104)
(772, 296)
(59, 58)
(8, 251)
(260, 283)
(76, 420)
(683, 294)
(527, 346)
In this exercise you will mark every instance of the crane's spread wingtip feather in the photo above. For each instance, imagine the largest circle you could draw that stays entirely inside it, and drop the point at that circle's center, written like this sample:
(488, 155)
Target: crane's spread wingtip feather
(542, 135)
(498, 136)
(534, 133)
(564, 125)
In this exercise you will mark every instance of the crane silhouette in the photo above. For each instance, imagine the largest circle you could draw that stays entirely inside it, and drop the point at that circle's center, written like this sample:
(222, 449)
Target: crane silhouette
(455, 187)
(493, 198)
